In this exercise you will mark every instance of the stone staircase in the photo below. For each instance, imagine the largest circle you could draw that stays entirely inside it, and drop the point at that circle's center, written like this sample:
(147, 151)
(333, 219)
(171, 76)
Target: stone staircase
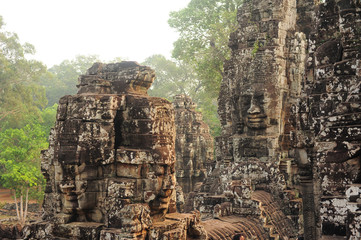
(231, 227)
(279, 225)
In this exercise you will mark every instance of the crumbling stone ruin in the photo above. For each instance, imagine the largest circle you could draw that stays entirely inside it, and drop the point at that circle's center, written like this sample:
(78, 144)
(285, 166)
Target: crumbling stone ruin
(194, 144)
(110, 167)
(288, 161)
(327, 119)
(289, 154)
(253, 176)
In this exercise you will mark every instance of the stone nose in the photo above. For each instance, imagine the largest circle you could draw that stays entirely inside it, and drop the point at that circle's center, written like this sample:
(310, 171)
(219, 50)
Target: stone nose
(254, 109)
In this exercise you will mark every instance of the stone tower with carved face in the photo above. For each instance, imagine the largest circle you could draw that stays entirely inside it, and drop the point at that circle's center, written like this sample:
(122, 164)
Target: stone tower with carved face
(194, 144)
(111, 158)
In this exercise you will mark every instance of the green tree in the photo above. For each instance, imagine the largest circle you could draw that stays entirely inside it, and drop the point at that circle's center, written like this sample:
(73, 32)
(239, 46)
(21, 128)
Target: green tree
(48, 117)
(20, 163)
(62, 79)
(174, 78)
(171, 78)
(204, 27)
(21, 98)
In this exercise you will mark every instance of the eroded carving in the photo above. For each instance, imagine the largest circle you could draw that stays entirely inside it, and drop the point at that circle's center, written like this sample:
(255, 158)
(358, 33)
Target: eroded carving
(194, 144)
(110, 167)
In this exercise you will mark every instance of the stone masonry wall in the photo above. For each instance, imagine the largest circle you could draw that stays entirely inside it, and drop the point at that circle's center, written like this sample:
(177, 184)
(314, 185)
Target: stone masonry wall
(328, 115)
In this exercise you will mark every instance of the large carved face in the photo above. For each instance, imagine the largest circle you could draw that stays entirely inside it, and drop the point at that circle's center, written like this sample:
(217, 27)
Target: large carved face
(259, 107)
(252, 115)
(162, 190)
(143, 178)
(255, 116)
(112, 150)
(81, 187)
(146, 153)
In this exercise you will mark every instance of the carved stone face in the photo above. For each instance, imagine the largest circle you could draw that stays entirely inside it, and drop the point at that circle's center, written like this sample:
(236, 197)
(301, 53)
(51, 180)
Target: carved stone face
(148, 181)
(146, 152)
(256, 118)
(252, 115)
(80, 193)
(165, 184)
(113, 150)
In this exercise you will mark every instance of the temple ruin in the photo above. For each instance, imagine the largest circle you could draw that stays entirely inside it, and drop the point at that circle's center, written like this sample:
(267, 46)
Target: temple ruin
(287, 163)
(110, 167)
(289, 154)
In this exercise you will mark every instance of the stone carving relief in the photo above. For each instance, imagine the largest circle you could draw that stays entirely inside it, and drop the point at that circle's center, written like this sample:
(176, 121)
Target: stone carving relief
(110, 167)
(288, 161)
(194, 144)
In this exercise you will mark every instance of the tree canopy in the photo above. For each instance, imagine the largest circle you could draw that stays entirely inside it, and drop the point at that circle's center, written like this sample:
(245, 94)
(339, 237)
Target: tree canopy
(21, 98)
(20, 163)
(204, 28)
(62, 79)
(24, 121)
(174, 78)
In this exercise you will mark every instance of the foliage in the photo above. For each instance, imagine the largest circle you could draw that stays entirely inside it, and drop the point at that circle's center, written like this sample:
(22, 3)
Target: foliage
(62, 79)
(24, 123)
(204, 28)
(178, 78)
(21, 97)
(208, 106)
(255, 48)
(48, 116)
(20, 162)
(171, 78)
(20, 156)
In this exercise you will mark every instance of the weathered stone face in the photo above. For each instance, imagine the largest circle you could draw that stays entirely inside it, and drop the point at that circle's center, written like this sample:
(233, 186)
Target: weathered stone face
(260, 83)
(254, 107)
(194, 144)
(256, 117)
(112, 146)
(110, 166)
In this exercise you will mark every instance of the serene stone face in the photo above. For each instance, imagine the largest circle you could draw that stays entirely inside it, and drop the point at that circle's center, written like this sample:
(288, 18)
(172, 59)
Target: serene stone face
(256, 94)
(113, 147)
(165, 184)
(254, 116)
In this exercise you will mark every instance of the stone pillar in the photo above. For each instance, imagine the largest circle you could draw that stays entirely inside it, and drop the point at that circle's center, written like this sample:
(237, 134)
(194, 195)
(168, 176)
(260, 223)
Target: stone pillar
(328, 115)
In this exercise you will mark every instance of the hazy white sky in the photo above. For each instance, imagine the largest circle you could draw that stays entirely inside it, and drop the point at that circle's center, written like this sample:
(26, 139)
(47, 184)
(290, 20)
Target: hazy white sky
(62, 29)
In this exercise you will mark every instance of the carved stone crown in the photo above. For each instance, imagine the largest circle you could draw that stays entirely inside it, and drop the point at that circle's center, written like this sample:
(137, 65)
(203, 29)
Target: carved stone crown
(116, 78)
